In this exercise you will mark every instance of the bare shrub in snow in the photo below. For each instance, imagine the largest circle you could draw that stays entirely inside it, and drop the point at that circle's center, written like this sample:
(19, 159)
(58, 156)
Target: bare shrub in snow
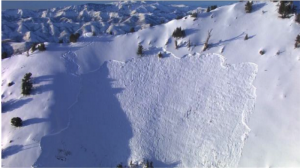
(206, 45)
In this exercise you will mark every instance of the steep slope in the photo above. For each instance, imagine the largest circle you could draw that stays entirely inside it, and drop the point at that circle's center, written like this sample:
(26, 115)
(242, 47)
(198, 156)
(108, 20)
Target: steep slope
(74, 79)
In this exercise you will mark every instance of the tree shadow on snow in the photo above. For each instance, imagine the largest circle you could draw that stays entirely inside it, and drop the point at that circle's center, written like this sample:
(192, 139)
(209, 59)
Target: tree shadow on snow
(34, 121)
(98, 127)
(11, 150)
(256, 7)
(40, 79)
(221, 42)
(152, 51)
(14, 104)
(42, 87)
(190, 31)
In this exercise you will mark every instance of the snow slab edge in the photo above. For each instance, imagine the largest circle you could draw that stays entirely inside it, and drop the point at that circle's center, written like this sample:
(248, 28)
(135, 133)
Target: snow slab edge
(183, 112)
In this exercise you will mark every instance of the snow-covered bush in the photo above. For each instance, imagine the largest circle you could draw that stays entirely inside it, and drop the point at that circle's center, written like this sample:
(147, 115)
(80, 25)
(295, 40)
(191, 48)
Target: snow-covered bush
(248, 7)
(178, 33)
(26, 84)
(16, 121)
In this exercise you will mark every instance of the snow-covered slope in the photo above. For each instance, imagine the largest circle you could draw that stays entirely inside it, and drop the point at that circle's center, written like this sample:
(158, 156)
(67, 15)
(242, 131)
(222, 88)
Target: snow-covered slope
(96, 103)
(54, 24)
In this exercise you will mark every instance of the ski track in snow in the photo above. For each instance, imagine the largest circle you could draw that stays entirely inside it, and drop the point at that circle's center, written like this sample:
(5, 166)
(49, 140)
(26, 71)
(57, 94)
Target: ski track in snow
(200, 93)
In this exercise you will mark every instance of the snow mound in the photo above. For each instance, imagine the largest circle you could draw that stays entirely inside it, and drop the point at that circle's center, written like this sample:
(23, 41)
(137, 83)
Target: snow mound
(176, 112)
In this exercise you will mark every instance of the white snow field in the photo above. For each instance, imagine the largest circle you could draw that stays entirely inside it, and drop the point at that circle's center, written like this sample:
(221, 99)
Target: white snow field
(96, 103)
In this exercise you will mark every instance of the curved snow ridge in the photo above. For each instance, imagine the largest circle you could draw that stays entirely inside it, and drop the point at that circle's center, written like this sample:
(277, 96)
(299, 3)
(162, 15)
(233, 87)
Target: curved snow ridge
(186, 112)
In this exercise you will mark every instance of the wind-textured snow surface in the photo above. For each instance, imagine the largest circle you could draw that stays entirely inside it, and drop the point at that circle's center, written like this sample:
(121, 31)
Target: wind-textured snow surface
(177, 112)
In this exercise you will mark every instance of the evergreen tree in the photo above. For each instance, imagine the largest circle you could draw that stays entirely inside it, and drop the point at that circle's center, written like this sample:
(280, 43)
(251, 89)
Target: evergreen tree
(286, 8)
(26, 84)
(151, 165)
(208, 9)
(160, 55)
(194, 15)
(33, 47)
(140, 50)
(132, 29)
(248, 7)
(4, 55)
(119, 166)
(213, 7)
(74, 37)
(246, 37)
(297, 18)
(297, 42)
(16, 121)
(178, 33)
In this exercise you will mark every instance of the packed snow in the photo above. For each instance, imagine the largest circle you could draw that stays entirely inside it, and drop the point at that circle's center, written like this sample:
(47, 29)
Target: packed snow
(96, 103)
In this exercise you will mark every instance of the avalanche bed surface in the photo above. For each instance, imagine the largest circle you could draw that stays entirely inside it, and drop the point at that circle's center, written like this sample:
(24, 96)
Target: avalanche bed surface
(177, 112)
